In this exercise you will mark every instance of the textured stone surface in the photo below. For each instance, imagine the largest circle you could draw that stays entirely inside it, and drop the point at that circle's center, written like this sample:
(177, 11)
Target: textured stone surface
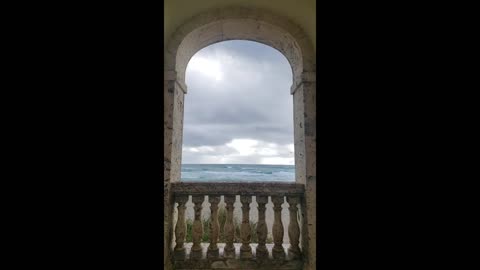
(309, 93)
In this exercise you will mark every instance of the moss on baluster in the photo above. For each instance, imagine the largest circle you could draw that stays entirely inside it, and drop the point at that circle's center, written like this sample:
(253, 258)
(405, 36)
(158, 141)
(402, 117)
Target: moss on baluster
(206, 230)
(269, 240)
(253, 232)
(188, 237)
(253, 228)
(237, 235)
(222, 217)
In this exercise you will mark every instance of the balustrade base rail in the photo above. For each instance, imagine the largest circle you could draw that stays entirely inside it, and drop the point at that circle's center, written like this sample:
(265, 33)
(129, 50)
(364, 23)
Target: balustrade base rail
(236, 262)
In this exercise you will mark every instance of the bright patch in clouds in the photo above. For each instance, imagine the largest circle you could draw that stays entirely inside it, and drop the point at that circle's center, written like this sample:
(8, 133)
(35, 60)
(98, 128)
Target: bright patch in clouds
(244, 146)
(210, 68)
(290, 147)
(240, 151)
(277, 161)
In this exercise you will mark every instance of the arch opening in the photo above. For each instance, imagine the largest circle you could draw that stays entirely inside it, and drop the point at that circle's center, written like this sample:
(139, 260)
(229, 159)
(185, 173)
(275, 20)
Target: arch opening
(241, 24)
(239, 110)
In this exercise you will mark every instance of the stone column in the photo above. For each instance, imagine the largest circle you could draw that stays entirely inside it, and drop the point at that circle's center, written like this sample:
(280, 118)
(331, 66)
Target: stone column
(304, 99)
(197, 229)
(180, 229)
(229, 230)
(213, 251)
(262, 252)
(293, 228)
(172, 123)
(278, 252)
(309, 93)
(246, 249)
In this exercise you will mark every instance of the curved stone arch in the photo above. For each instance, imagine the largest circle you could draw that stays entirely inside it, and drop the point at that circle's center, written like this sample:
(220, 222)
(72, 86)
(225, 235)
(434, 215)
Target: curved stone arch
(238, 23)
(255, 25)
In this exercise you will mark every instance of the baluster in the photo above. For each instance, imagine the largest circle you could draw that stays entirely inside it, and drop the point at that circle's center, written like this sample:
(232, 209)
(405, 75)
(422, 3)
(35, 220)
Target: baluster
(213, 251)
(293, 228)
(246, 232)
(180, 229)
(278, 252)
(197, 230)
(262, 252)
(229, 250)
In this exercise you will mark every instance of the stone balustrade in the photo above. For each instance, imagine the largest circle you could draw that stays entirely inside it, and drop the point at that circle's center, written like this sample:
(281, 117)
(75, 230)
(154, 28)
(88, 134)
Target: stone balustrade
(244, 255)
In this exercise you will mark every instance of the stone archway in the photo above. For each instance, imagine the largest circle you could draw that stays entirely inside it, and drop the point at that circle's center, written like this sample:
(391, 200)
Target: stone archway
(244, 24)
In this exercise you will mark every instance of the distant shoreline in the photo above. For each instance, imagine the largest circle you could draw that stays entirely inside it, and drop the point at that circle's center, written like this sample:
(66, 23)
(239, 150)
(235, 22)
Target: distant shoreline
(237, 172)
(238, 164)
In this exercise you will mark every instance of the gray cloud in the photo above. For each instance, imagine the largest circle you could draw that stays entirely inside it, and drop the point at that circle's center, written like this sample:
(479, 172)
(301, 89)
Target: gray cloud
(237, 90)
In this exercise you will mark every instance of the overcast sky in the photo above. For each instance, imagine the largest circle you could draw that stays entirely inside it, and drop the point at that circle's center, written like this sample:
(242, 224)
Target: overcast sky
(238, 109)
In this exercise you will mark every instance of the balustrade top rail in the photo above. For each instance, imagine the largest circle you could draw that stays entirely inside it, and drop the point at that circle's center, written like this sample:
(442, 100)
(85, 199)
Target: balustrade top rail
(246, 188)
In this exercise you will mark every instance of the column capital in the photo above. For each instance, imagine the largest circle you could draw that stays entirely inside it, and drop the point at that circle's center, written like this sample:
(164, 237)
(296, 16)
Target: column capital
(171, 75)
(305, 77)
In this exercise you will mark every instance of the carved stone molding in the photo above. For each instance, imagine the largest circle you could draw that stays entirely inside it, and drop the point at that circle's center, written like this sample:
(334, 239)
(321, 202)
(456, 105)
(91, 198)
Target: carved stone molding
(180, 229)
(197, 228)
(229, 250)
(213, 251)
(277, 251)
(262, 231)
(294, 228)
(246, 232)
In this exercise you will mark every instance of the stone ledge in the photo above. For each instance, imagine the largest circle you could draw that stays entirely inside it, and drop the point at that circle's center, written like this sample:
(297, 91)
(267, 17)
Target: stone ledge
(245, 188)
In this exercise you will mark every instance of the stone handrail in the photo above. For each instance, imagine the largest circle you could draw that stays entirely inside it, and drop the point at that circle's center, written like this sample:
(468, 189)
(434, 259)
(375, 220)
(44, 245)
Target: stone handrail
(244, 188)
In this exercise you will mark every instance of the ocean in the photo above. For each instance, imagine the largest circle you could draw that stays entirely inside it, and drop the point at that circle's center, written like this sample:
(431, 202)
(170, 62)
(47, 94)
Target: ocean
(237, 172)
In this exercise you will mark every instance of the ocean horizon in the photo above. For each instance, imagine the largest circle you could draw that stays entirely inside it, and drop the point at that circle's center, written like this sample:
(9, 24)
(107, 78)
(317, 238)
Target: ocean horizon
(237, 172)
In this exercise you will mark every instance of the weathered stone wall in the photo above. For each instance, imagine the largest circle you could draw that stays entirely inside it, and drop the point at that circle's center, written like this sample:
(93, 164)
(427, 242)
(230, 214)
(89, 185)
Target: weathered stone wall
(173, 128)
(240, 23)
(304, 97)
(177, 133)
